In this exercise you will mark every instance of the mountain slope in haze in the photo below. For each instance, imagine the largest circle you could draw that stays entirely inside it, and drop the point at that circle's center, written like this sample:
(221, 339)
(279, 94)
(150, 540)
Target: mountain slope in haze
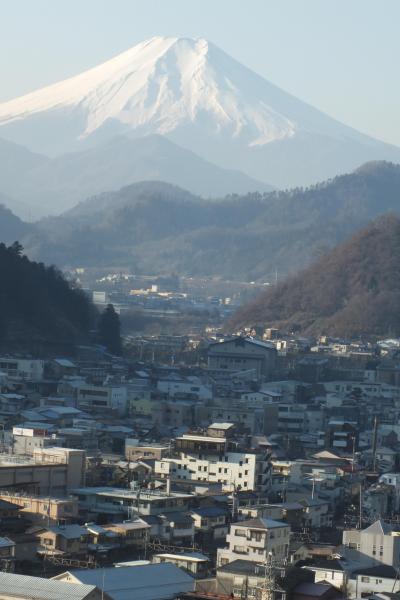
(11, 227)
(157, 228)
(15, 162)
(353, 290)
(62, 182)
(38, 308)
(201, 98)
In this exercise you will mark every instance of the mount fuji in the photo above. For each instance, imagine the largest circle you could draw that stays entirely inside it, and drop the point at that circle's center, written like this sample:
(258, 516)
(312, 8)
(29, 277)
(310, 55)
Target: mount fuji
(201, 99)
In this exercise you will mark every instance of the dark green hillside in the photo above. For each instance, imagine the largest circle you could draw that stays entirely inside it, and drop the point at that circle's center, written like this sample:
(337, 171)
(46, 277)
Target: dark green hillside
(38, 307)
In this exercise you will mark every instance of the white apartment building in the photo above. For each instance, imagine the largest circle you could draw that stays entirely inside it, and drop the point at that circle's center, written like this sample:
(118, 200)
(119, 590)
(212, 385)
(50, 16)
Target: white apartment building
(255, 540)
(191, 387)
(208, 459)
(22, 368)
(102, 398)
(378, 543)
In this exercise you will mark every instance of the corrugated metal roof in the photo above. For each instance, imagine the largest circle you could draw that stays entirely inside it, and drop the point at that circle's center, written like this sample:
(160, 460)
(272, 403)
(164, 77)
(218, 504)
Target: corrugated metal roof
(38, 588)
(148, 582)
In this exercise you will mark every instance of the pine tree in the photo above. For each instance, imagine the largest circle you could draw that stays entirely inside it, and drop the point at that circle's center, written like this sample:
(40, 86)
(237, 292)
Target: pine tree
(110, 330)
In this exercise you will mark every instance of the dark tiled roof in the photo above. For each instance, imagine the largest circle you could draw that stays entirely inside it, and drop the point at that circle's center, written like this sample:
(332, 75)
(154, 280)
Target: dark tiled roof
(246, 567)
(378, 571)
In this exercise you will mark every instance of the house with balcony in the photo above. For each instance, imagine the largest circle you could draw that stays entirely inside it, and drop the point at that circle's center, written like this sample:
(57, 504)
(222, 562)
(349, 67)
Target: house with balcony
(255, 540)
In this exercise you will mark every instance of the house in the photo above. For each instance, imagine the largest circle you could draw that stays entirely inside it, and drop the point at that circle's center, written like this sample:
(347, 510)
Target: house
(64, 539)
(42, 508)
(7, 554)
(154, 581)
(130, 533)
(241, 353)
(255, 540)
(211, 520)
(8, 509)
(329, 571)
(194, 563)
(25, 587)
(315, 591)
(367, 581)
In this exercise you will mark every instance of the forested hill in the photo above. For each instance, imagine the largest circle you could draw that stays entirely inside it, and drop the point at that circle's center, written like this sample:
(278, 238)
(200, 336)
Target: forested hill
(38, 307)
(353, 290)
(154, 227)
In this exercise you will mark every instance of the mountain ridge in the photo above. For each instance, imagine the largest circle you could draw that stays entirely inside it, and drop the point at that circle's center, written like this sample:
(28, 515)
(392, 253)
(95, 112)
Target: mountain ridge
(58, 184)
(157, 227)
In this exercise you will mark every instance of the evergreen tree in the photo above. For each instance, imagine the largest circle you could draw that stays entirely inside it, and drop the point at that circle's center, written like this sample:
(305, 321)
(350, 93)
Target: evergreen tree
(110, 330)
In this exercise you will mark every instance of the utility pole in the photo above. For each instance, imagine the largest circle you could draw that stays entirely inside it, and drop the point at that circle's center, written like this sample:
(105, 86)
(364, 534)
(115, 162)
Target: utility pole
(374, 443)
(360, 509)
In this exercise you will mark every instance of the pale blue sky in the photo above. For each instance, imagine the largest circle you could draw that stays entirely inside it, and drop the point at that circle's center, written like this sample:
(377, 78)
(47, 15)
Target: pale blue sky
(342, 56)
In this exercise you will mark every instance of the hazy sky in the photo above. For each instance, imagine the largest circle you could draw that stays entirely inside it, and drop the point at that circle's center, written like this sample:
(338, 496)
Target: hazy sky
(342, 56)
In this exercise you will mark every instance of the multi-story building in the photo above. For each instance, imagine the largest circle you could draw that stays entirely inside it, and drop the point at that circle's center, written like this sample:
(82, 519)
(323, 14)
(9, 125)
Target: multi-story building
(378, 543)
(119, 501)
(49, 472)
(256, 540)
(243, 354)
(138, 451)
(102, 398)
(22, 368)
(43, 508)
(212, 459)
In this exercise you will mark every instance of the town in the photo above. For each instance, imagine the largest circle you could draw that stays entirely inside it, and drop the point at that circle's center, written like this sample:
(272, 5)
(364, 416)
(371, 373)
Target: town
(267, 466)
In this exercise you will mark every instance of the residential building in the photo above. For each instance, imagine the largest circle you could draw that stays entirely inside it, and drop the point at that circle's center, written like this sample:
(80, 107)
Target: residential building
(64, 539)
(28, 369)
(378, 543)
(213, 459)
(255, 540)
(41, 509)
(369, 581)
(102, 398)
(119, 501)
(195, 563)
(242, 353)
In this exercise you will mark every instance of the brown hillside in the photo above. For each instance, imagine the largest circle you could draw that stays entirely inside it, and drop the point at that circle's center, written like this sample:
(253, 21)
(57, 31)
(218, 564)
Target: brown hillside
(352, 290)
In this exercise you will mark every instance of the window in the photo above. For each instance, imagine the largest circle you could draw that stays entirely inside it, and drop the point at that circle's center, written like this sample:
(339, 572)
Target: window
(240, 532)
(365, 579)
(48, 542)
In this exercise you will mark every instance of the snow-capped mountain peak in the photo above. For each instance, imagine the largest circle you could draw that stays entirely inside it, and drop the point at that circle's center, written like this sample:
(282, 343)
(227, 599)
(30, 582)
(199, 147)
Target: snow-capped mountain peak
(159, 86)
(199, 97)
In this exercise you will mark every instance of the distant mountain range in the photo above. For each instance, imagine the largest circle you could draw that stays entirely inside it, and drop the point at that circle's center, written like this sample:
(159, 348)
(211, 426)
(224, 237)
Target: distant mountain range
(154, 227)
(353, 290)
(38, 186)
(213, 114)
